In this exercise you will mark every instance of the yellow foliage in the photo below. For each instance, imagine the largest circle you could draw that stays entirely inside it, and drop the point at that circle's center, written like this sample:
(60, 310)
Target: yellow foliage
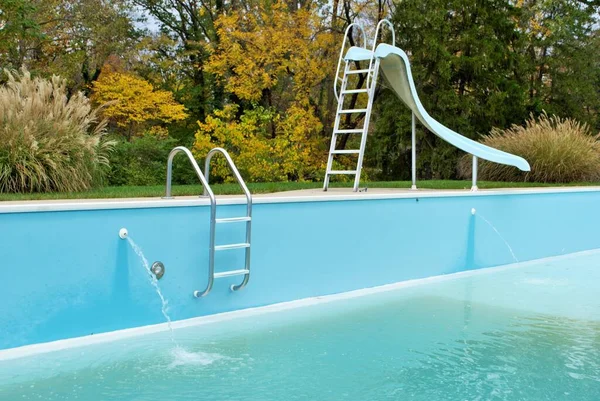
(275, 61)
(130, 100)
(268, 46)
(157, 132)
(291, 154)
(536, 23)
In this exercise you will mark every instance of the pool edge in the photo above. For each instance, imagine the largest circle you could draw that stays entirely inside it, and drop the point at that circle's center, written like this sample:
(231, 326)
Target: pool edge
(192, 201)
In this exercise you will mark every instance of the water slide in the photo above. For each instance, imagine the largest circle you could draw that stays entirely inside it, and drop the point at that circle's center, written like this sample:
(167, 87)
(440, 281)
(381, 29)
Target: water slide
(393, 64)
(395, 67)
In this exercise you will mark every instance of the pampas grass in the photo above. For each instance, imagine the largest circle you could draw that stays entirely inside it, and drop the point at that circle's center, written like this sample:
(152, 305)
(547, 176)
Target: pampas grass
(48, 142)
(558, 150)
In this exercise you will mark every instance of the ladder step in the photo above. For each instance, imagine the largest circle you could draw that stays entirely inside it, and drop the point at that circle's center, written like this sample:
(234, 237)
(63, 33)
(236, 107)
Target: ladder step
(348, 111)
(231, 273)
(233, 219)
(349, 131)
(341, 172)
(345, 151)
(232, 246)
(358, 71)
(364, 90)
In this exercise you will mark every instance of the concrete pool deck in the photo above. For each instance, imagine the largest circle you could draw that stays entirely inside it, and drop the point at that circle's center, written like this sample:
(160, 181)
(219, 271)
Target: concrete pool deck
(304, 195)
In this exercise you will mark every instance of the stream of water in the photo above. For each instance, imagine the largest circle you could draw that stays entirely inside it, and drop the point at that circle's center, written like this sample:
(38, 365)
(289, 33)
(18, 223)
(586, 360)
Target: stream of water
(499, 236)
(179, 354)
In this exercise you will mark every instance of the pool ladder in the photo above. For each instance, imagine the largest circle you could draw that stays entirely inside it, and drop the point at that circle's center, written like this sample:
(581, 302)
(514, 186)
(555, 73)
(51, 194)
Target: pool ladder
(247, 219)
(370, 75)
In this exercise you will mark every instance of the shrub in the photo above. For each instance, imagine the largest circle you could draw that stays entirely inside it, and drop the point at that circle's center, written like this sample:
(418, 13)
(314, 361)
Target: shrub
(265, 145)
(143, 161)
(48, 142)
(558, 150)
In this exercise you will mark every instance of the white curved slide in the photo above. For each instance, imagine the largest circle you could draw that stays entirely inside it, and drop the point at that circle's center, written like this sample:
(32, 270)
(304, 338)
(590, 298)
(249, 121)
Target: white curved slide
(394, 64)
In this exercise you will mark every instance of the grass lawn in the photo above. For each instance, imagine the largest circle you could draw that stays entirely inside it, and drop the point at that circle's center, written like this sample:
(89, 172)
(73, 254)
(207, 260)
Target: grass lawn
(261, 188)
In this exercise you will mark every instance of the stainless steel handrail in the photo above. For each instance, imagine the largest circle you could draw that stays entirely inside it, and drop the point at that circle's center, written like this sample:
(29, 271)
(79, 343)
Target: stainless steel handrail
(337, 72)
(213, 210)
(391, 28)
(248, 195)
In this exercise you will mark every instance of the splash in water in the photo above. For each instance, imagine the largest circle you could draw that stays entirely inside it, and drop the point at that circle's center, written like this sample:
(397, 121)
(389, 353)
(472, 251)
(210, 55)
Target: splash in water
(181, 357)
(179, 354)
(500, 236)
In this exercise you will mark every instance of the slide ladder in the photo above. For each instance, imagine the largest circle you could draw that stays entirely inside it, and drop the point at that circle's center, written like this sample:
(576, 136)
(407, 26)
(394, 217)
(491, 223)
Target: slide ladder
(246, 219)
(364, 85)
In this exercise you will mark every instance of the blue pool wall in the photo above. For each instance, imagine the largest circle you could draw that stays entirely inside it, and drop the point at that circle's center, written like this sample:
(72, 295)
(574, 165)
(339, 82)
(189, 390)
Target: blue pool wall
(68, 274)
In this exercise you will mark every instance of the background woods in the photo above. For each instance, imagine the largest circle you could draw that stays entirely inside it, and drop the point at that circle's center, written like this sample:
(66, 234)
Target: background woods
(256, 76)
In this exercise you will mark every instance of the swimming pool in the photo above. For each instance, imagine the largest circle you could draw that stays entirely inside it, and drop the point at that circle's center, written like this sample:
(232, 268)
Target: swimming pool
(80, 320)
(503, 333)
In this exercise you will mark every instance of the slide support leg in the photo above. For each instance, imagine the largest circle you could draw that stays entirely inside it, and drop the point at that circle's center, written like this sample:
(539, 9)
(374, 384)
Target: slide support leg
(414, 153)
(474, 186)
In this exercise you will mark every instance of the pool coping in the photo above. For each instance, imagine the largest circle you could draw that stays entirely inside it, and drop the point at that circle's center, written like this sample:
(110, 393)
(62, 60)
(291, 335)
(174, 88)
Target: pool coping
(310, 195)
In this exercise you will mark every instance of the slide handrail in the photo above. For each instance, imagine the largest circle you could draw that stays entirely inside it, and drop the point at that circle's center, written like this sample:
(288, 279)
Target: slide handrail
(337, 72)
(391, 28)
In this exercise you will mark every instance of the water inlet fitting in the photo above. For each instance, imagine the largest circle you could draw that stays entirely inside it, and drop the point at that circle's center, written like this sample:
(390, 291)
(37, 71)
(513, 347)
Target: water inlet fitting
(473, 211)
(158, 269)
(123, 233)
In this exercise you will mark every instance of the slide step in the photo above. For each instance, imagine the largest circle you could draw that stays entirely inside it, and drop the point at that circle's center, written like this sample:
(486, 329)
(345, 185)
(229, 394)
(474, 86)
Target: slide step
(232, 246)
(345, 151)
(354, 91)
(342, 172)
(231, 273)
(349, 131)
(358, 71)
(348, 111)
(233, 219)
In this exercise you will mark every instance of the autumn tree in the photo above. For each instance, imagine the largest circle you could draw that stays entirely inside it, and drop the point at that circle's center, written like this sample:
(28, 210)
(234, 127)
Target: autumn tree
(132, 102)
(70, 38)
(270, 61)
(186, 31)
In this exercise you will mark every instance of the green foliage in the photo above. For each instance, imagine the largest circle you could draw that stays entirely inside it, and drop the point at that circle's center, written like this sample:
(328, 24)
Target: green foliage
(16, 24)
(487, 64)
(143, 161)
(69, 38)
(47, 141)
(477, 64)
(558, 150)
(263, 188)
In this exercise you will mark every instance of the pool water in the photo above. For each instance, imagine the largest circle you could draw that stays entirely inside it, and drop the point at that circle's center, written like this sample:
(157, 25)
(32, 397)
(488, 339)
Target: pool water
(521, 332)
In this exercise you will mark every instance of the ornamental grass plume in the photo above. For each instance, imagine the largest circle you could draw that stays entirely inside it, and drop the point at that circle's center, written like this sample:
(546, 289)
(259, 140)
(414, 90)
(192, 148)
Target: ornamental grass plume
(49, 141)
(559, 150)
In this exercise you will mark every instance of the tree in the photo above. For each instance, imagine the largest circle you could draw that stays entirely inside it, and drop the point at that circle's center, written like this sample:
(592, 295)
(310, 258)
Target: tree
(189, 26)
(70, 38)
(17, 27)
(483, 64)
(131, 101)
(270, 61)
(563, 52)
